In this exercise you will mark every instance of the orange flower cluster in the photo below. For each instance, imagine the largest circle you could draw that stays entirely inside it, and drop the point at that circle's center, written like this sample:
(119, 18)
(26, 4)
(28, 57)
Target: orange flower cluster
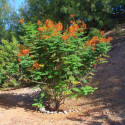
(45, 37)
(49, 26)
(80, 26)
(21, 21)
(36, 65)
(102, 32)
(72, 15)
(23, 50)
(65, 37)
(59, 27)
(106, 39)
(79, 21)
(49, 23)
(72, 22)
(110, 38)
(73, 29)
(56, 28)
(84, 26)
(38, 22)
(18, 60)
(94, 64)
(40, 29)
(93, 41)
(31, 56)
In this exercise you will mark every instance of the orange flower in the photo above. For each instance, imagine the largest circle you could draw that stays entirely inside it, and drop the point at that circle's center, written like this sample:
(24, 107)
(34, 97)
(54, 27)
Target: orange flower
(20, 45)
(36, 65)
(44, 48)
(72, 35)
(73, 29)
(94, 64)
(98, 58)
(49, 23)
(21, 21)
(71, 21)
(110, 38)
(95, 40)
(18, 60)
(45, 36)
(102, 32)
(87, 78)
(27, 69)
(94, 48)
(93, 44)
(31, 56)
(84, 26)
(19, 54)
(38, 22)
(22, 50)
(54, 34)
(95, 37)
(40, 29)
(79, 21)
(59, 26)
(103, 40)
(88, 43)
(25, 51)
(72, 15)
(65, 37)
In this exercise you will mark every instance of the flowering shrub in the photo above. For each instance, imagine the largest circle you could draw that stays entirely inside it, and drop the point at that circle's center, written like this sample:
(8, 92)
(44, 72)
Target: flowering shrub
(60, 62)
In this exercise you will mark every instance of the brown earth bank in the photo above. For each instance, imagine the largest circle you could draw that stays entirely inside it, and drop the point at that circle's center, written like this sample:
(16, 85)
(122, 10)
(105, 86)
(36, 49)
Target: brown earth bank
(105, 107)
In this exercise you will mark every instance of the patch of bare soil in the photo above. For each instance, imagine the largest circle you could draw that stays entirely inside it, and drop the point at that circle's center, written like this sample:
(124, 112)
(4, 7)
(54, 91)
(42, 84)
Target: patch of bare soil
(105, 107)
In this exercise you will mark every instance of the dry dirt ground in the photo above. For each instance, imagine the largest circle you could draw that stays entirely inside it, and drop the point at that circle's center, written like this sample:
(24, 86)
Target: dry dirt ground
(105, 107)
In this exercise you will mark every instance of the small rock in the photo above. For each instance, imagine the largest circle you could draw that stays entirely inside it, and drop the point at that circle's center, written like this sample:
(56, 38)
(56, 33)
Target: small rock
(48, 112)
(79, 108)
(76, 110)
(42, 109)
(51, 112)
(65, 112)
(70, 110)
(108, 103)
(60, 112)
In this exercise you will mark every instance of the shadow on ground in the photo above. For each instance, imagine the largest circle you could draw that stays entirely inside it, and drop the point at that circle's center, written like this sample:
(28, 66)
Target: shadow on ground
(109, 99)
(10, 100)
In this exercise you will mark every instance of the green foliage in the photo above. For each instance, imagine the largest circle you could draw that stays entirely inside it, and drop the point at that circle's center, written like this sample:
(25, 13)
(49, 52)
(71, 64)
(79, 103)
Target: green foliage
(8, 63)
(96, 13)
(39, 103)
(8, 21)
(83, 91)
(92, 33)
